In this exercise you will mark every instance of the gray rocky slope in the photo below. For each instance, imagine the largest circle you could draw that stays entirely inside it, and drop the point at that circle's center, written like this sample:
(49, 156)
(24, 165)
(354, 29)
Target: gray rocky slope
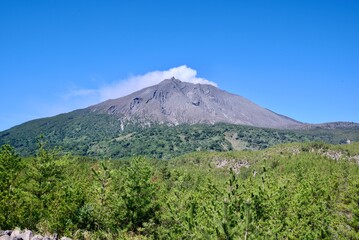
(175, 102)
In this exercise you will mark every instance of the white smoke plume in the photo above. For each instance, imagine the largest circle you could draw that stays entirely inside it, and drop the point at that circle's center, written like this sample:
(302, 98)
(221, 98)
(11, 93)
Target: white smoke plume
(135, 83)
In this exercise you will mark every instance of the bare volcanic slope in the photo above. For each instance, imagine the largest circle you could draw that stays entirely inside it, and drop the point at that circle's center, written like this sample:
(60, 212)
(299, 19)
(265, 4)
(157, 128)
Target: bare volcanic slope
(175, 102)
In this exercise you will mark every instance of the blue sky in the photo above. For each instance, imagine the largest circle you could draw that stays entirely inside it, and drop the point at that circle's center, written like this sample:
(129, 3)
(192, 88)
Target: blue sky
(297, 58)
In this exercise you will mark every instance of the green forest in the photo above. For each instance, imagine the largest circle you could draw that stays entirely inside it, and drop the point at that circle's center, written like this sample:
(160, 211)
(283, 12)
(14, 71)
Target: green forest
(288, 191)
(84, 133)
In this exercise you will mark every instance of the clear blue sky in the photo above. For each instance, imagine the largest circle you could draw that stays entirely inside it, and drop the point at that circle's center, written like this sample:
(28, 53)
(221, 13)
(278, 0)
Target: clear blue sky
(297, 58)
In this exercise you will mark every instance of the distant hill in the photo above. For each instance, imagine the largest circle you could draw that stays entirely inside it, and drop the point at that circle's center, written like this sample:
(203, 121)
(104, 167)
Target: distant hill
(170, 119)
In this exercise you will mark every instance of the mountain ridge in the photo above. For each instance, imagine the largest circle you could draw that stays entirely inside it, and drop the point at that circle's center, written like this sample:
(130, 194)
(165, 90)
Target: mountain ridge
(175, 102)
(109, 107)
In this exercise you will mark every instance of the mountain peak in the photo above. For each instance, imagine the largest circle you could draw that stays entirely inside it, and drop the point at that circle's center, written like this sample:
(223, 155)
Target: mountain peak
(170, 80)
(178, 81)
(175, 102)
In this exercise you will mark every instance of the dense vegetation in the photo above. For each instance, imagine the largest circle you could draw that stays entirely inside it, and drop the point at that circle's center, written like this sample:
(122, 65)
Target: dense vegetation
(99, 135)
(290, 191)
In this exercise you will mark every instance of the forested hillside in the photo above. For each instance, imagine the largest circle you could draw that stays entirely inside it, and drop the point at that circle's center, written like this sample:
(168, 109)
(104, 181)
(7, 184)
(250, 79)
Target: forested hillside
(290, 191)
(99, 135)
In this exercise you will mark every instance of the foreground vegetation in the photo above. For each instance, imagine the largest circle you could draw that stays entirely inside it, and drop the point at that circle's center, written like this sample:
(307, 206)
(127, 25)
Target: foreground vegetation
(291, 191)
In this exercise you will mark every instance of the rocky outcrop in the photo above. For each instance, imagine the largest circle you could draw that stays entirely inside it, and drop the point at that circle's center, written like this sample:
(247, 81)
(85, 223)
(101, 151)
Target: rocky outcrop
(234, 164)
(27, 235)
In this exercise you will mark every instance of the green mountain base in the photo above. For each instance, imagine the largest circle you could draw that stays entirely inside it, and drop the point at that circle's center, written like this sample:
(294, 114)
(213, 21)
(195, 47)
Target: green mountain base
(85, 133)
